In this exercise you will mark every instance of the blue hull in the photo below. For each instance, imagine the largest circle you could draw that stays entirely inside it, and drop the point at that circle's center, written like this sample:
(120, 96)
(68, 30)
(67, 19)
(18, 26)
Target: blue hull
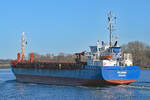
(121, 73)
(89, 74)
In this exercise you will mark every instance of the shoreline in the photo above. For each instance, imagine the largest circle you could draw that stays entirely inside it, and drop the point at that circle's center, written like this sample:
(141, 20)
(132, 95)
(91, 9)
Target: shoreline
(4, 66)
(145, 68)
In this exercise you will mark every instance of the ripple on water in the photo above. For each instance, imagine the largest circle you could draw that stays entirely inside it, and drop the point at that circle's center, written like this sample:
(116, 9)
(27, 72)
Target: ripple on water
(12, 90)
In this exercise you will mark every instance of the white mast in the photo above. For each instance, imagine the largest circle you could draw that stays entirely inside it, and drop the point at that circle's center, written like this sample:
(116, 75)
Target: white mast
(111, 18)
(98, 49)
(23, 46)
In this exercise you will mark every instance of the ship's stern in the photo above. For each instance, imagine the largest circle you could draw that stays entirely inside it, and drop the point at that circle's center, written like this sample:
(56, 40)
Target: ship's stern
(120, 74)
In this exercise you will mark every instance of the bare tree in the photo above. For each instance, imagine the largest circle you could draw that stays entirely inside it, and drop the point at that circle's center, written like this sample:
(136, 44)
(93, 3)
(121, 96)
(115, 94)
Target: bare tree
(140, 52)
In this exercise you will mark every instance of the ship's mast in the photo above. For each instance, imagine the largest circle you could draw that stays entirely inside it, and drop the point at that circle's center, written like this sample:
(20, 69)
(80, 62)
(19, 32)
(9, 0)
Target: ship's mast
(23, 46)
(111, 18)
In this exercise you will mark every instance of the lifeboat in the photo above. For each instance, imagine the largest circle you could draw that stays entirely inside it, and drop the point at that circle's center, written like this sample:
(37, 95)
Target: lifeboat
(106, 57)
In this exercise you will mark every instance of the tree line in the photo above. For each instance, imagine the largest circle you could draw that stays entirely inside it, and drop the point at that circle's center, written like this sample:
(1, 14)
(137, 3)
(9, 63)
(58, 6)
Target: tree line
(60, 57)
(140, 53)
(139, 50)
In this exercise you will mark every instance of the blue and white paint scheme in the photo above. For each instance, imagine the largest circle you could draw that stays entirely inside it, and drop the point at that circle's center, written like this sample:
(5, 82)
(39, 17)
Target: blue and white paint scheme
(106, 64)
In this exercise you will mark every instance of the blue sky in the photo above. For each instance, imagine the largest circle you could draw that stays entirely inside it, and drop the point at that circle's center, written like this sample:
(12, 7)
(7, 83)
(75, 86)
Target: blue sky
(53, 26)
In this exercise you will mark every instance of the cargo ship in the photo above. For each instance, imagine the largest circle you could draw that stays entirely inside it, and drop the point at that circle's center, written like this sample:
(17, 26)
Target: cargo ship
(107, 64)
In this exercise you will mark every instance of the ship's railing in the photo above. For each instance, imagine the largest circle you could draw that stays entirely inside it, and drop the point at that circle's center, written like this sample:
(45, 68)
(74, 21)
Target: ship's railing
(51, 64)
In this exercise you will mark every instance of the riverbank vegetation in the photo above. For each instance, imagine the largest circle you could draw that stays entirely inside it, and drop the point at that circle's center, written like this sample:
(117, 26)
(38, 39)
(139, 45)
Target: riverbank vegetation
(140, 53)
(4, 63)
(139, 50)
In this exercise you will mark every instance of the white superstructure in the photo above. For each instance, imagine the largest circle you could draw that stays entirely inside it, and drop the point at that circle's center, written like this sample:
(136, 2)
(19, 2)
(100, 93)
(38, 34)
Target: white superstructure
(108, 54)
(104, 55)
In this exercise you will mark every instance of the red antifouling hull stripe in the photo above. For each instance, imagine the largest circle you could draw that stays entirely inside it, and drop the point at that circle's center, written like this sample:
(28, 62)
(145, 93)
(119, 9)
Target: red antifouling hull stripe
(121, 81)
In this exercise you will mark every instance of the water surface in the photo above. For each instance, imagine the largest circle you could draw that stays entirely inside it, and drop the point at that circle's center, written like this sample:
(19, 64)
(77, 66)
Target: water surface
(12, 90)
